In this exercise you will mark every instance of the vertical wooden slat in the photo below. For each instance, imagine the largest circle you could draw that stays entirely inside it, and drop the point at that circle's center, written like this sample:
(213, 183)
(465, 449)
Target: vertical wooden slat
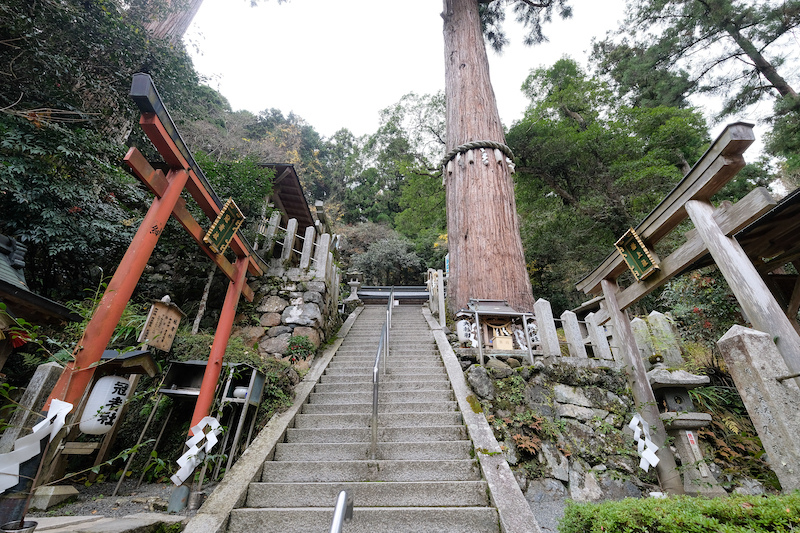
(288, 241)
(308, 248)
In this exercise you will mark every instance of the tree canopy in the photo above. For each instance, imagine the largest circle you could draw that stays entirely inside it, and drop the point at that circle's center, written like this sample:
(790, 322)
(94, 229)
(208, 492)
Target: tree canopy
(589, 168)
(736, 49)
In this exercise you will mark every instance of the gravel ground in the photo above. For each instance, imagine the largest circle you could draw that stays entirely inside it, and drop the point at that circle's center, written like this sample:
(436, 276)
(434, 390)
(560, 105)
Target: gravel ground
(97, 500)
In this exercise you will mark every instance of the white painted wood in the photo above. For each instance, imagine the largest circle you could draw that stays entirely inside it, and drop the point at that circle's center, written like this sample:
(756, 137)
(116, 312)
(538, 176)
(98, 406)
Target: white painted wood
(308, 247)
(572, 331)
(757, 302)
(548, 337)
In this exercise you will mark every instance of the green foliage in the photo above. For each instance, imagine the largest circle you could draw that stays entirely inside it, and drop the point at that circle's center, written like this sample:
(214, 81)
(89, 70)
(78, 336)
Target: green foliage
(702, 305)
(589, 168)
(389, 262)
(530, 14)
(751, 514)
(730, 48)
(300, 347)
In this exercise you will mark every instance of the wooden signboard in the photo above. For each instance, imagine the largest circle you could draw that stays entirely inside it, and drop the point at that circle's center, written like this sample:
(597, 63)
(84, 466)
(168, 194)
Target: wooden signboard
(224, 227)
(161, 325)
(638, 258)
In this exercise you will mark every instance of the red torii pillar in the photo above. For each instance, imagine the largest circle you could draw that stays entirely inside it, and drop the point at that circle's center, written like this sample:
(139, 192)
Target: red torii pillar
(184, 173)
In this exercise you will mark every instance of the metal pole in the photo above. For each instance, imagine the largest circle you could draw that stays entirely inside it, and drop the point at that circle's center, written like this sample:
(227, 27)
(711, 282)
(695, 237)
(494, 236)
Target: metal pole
(343, 512)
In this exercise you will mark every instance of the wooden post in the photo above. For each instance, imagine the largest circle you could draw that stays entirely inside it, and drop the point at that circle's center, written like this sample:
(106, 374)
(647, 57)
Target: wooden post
(308, 247)
(642, 391)
(750, 290)
(288, 241)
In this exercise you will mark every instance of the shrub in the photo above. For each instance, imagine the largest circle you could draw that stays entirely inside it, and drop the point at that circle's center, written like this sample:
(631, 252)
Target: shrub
(684, 514)
(300, 347)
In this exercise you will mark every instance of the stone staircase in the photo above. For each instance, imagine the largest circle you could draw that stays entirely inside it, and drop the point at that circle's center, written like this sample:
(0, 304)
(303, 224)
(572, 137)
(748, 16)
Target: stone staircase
(424, 478)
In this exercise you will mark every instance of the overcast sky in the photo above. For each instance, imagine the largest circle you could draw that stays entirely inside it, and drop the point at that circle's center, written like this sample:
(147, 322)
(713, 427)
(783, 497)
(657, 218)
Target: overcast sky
(337, 63)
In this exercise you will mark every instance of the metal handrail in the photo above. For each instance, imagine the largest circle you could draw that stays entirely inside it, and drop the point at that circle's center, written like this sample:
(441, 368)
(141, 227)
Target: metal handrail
(343, 511)
(383, 350)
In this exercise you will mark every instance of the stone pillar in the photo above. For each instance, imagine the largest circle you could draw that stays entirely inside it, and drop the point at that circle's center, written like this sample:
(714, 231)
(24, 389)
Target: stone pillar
(641, 333)
(572, 331)
(771, 399)
(671, 389)
(546, 328)
(665, 339)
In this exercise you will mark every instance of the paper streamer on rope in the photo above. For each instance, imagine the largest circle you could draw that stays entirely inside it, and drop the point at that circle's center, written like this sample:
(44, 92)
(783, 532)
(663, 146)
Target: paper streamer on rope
(645, 447)
(29, 446)
(204, 438)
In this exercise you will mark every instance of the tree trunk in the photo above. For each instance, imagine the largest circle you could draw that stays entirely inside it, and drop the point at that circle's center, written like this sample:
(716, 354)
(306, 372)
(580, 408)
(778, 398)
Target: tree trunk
(761, 63)
(486, 256)
(176, 22)
(201, 310)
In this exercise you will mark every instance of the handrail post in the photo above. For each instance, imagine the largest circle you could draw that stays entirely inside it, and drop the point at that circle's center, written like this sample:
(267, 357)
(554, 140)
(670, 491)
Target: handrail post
(343, 512)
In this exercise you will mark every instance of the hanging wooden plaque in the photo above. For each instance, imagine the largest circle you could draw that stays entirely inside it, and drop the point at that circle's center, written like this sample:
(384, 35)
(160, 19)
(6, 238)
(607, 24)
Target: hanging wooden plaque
(638, 257)
(223, 229)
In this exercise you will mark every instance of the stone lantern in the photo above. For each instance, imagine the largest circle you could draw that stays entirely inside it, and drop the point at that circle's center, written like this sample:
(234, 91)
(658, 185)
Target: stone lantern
(355, 279)
(671, 389)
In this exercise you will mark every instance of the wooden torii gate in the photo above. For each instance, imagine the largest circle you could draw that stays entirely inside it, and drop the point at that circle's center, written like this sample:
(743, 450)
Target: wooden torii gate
(183, 173)
(713, 233)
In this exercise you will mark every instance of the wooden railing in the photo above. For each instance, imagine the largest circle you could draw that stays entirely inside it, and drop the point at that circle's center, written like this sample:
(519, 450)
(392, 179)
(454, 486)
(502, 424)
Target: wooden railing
(307, 252)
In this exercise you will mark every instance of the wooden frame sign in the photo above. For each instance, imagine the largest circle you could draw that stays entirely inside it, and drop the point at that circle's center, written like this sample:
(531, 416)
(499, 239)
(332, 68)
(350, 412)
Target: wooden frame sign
(223, 229)
(638, 258)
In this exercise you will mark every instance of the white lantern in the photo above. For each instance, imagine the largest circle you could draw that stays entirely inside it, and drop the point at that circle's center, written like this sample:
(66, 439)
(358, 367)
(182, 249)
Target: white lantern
(102, 407)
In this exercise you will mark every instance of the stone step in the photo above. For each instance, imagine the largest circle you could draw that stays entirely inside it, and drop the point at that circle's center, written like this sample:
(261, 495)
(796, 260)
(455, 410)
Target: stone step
(384, 378)
(391, 364)
(395, 494)
(394, 397)
(390, 369)
(366, 408)
(365, 470)
(354, 451)
(438, 384)
(358, 421)
(385, 434)
(367, 520)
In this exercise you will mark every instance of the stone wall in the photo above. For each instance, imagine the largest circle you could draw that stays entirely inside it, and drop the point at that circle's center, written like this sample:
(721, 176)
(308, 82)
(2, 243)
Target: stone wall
(563, 429)
(293, 304)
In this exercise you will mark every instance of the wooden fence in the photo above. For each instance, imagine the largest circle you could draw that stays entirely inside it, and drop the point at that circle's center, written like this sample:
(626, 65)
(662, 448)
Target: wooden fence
(309, 252)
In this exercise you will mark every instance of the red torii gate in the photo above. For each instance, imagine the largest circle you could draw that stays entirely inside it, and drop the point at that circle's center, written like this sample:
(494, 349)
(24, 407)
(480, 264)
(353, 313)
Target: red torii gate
(183, 173)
